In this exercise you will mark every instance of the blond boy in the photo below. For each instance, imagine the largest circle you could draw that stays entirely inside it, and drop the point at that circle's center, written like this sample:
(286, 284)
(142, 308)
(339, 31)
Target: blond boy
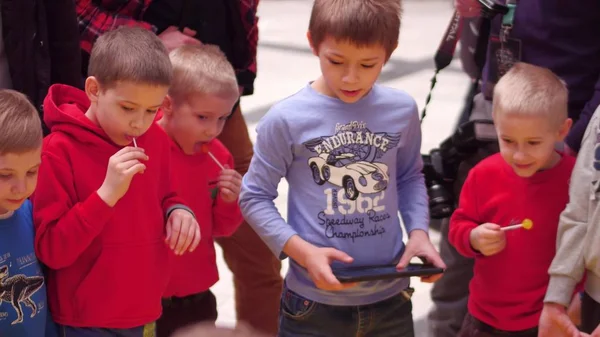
(527, 181)
(200, 100)
(23, 300)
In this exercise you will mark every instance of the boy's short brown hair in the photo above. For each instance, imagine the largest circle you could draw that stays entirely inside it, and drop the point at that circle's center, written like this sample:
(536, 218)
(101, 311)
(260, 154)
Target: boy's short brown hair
(130, 54)
(20, 124)
(363, 22)
(202, 69)
(531, 90)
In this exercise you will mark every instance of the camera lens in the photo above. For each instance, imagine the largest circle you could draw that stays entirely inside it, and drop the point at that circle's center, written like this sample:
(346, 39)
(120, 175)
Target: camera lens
(440, 202)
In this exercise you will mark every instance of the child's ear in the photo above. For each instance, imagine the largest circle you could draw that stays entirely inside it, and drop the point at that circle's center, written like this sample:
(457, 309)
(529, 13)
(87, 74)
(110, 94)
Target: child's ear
(564, 129)
(92, 89)
(167, 106)
(312, 45)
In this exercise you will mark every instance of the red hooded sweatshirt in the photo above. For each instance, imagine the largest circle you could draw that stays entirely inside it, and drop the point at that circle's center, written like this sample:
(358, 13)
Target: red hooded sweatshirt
(108, 266)
(197, 177)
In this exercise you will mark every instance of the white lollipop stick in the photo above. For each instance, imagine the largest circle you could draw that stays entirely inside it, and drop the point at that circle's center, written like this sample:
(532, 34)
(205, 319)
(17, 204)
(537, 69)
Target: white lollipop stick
(215, 160)
(510, 228)
(134, 142)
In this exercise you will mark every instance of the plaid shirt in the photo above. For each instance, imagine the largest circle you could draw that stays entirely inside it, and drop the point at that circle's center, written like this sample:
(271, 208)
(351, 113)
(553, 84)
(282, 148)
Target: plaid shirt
(248, 10)
(98, 16)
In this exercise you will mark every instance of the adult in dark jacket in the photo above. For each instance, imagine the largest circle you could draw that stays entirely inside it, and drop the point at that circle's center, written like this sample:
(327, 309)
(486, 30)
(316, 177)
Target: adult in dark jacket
(39, 46)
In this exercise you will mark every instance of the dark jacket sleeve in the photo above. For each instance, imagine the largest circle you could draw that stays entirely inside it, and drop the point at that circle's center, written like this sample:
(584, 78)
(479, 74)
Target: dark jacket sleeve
(63, 42)
(576, 134)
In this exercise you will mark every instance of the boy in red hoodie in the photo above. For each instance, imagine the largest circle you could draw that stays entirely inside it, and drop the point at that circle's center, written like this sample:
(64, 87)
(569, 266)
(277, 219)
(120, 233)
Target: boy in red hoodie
(201, 98)
(105, 192)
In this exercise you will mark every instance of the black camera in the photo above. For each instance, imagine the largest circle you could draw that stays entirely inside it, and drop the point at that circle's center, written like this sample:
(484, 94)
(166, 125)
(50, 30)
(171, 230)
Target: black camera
(491, 8)
(440, 168)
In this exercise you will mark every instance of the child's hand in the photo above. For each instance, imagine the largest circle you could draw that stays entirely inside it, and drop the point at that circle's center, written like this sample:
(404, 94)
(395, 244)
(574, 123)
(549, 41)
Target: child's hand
(419, 245)
(172, 38)
(230, 184)
(318, 263)
(488, 239)
(183, 232)
(122, 166)
(574, 310)
(554, 322)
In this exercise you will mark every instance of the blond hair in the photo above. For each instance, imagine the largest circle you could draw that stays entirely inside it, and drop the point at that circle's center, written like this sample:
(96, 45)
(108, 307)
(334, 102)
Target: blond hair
(130, 54)
(204, 70)
(20, 124)
(531, 90)
(361, 22)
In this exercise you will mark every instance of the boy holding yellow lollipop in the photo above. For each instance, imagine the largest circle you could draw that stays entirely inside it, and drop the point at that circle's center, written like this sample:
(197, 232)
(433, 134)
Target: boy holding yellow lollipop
(510, 204)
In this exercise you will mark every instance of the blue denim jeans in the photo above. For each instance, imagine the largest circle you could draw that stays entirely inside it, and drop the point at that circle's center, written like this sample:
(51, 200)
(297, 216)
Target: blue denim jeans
(302, 317)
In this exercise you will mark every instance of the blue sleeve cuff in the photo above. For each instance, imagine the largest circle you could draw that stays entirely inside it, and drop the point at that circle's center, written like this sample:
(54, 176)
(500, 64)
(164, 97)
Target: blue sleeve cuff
(179, 206)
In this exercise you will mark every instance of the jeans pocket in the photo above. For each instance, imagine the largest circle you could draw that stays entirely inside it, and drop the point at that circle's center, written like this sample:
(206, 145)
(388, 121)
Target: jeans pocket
(400, 304)
(295, 306)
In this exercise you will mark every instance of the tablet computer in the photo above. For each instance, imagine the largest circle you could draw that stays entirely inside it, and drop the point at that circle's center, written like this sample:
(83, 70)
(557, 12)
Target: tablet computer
(371, 273)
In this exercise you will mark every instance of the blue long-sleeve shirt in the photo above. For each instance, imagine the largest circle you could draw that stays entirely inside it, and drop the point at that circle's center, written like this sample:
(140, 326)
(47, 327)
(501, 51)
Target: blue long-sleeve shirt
(350, 169)
(23, 305)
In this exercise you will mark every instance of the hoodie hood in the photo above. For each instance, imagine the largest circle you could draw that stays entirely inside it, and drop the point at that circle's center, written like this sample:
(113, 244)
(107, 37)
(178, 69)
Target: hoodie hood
(64, 111)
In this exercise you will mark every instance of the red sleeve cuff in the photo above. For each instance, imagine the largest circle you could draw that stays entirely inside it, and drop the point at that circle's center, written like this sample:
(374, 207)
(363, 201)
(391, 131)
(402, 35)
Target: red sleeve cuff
(463, 242)
(468, 248)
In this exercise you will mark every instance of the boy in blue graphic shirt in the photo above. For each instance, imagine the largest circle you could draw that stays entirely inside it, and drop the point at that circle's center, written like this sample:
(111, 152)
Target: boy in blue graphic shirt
(23, 307)
(350, 151)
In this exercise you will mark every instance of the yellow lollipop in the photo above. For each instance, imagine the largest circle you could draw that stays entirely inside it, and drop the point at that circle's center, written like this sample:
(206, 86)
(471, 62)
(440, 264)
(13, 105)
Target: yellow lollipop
(526, 224)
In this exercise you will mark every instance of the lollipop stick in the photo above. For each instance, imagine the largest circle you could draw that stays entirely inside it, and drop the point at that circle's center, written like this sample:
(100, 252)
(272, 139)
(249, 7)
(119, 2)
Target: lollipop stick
(526, 224)
(134, 142)
(215, 160)
(510, 228)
